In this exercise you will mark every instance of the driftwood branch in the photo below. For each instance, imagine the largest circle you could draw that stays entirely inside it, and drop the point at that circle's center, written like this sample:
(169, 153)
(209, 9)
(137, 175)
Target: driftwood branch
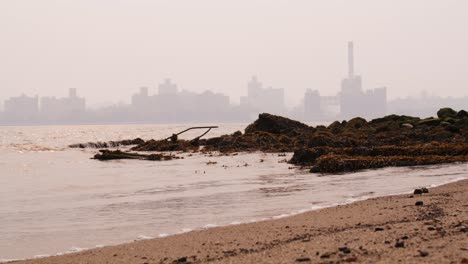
(175, 136)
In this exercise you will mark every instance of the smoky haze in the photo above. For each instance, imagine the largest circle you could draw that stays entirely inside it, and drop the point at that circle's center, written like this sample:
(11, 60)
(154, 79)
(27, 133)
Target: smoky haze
(108, 49)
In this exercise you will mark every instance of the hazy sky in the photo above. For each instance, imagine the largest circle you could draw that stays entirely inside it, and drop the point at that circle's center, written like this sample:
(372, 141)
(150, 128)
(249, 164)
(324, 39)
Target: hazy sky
(109, 48)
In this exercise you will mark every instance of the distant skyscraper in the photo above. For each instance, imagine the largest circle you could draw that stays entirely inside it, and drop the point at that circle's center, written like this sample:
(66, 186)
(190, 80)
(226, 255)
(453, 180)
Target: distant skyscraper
(270, 100)
(312, 106)
(67, 109)
(167, 88)
(354, 101)
(22, 108)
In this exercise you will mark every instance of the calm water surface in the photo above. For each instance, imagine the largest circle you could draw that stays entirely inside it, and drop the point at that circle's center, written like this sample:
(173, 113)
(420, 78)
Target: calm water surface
(54, 199)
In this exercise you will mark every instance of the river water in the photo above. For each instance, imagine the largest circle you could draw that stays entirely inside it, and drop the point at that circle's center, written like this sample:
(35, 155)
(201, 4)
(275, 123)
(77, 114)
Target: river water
(56, 200)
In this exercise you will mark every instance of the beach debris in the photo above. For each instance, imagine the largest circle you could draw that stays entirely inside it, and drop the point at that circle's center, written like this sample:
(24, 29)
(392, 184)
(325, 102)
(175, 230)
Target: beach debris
(425, 190)
(418, 191)
(180, 260)
(423, 253)
(326, 255)
(377, 229)
(345, 250)
(400, 244)
(350, 259)
(303, 260)
(174, 137)
(165, 145)
(419, 203)
(118, 154)
(110, 144)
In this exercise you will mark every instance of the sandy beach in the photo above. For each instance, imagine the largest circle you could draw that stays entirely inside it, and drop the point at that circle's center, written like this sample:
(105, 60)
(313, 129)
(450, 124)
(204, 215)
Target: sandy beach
(390, 229)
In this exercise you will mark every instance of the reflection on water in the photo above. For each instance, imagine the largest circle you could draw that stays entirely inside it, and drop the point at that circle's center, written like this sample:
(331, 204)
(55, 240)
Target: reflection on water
(54, 199)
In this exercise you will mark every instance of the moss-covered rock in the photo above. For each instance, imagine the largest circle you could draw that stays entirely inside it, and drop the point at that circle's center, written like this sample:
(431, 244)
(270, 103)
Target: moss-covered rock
(446, 112)
(429, 122)
(276, 125)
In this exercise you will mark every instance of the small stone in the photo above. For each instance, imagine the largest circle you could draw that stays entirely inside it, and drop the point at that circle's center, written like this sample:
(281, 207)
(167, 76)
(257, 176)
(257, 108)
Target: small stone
(302, 259)
(419, 203)
(351, 259)
(423, 253)
(417, 191)
(431, 228)
(425, 190)
(404, 237)
(400, 244)
(379, 229)
(182, 260)
(464, 229)
(325, 255)
(345, 250)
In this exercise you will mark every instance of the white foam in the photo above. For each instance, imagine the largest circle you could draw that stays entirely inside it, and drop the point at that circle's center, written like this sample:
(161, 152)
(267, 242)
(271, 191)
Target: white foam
(163, 235)
(281, 216)
(70, 251)
(143, 237)
(9, 260)
(210, 226)
(41, 256)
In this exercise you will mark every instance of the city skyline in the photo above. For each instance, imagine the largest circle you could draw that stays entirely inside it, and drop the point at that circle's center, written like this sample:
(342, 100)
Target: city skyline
(171, 104)
(408, 46)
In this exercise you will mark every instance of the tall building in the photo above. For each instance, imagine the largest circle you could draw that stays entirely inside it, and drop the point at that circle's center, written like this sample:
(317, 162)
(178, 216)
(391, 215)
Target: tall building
(141, 100)
(172, 105)
(356, 102)
(167, 88)
(312, 106)
(65, 109)
(22, 108)
(270, 100)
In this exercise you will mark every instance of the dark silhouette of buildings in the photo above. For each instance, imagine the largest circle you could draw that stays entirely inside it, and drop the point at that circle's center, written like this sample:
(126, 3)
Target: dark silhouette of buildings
(172, 105)
(169, 104)
(259, 99)
(356, 102)
(21, 109)
(351, 101)
(71, 108)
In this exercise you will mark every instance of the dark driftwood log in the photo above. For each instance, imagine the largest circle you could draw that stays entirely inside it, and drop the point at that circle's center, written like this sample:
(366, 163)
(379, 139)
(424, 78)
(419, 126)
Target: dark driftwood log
(117, 154)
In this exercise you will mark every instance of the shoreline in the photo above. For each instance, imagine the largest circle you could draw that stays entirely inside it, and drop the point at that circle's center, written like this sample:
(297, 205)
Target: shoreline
(284, 236)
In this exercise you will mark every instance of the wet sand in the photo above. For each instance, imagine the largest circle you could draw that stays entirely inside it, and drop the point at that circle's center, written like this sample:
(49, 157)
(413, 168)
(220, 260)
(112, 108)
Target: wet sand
(390, 229)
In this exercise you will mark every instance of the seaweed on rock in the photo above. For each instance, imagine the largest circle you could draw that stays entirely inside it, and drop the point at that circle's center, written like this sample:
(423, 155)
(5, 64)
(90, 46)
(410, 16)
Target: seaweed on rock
(355, 144)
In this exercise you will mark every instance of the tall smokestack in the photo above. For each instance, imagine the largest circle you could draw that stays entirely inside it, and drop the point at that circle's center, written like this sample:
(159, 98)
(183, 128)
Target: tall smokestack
(350, 59)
